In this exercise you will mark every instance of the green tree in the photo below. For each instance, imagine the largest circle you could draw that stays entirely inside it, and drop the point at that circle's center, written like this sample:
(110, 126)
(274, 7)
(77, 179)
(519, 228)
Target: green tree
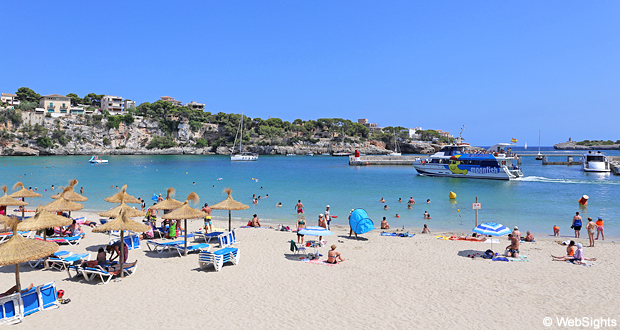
(26, 105)
(44, 142)
(27, 94)
(75, 100)
(270, 132)
(12, 115)
(201, 143)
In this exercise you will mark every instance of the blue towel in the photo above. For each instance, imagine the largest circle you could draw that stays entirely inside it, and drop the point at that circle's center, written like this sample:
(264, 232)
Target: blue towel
(500, 259)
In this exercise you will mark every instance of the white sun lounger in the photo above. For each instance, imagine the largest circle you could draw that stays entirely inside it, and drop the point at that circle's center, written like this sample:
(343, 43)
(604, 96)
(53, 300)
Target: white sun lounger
(219, 257)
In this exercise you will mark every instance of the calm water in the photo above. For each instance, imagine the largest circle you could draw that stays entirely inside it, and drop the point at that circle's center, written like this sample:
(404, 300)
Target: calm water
(546, 196)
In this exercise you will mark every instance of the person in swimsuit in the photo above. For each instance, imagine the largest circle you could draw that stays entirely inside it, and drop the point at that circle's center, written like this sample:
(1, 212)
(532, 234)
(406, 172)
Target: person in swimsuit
(333, 256)
(301, 224)
(512, 250)
(279, 204)
(400, 200)
(516, 233)
(426, 230)
(599, 228)
(385, 207)
(577, 224)
(577, 258)
(351, 232)
(300, 207)
(13, 290)
(384, 224)
(328, 216)
(556, 230)
(529, 237)
(591, 227)
(570, 250)
(382, 200)
(322, 223)
(207, 221)
(255, 221)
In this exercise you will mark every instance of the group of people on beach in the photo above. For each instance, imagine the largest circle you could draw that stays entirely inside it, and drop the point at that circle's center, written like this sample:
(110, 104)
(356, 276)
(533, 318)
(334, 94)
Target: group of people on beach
(592, 228)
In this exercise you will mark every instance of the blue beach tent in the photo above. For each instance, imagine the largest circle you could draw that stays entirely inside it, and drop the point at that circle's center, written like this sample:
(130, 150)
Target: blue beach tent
(360, 222)
(154, 197)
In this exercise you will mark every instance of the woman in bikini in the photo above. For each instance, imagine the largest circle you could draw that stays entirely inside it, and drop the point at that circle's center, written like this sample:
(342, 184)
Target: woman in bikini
(301, 224)
(599, 228)
(333, 256)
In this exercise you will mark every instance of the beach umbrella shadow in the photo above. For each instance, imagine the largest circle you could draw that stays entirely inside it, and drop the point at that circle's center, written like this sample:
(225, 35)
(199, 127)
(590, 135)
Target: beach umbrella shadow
(470, 253)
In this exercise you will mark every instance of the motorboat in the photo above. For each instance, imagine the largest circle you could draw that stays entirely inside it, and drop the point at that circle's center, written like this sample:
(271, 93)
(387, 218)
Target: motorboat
(462, 161)
(96, 160)
(310, 154)
(595, 162)
(241, 155)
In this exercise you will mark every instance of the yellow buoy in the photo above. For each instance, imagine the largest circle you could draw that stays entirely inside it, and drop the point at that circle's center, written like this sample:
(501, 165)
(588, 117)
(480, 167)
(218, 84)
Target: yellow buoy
(452, 195)
(458, 210)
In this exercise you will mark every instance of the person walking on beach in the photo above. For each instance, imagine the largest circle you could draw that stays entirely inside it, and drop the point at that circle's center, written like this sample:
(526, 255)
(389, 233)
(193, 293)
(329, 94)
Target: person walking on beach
(301, 224)
(599, 228)
(512, 250)
(300, 207)
(207, 221)
(591, 228)
(577, 224)
(328, 217)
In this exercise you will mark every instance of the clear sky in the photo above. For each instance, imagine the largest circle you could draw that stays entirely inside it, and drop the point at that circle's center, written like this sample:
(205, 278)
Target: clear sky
(502, 68)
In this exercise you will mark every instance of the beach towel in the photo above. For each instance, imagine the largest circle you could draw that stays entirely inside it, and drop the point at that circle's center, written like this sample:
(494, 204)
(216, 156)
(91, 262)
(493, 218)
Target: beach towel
(583, 263)
(397, 234)
(500, 259)
(520, 258)
(319, 262)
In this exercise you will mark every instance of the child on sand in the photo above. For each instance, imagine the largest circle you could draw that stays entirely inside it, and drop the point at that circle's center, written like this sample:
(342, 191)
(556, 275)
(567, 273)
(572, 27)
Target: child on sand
(556, 230)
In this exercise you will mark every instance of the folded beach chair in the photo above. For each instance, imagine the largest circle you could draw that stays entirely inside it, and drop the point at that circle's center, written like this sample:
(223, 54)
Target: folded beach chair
(48, 295)
(295, 247)
(160, 247)
(39, 262)
(11, 310)
(61, 263)
(233, 236)
(224, 239)
(30, 301)
(219, 257)
(191, 248)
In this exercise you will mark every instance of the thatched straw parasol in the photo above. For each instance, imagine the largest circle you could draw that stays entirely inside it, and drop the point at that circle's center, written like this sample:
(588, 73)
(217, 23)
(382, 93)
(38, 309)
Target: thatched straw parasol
(122, 196)
(186, 212)
(7, 200)
(115, 212)
(229, 204)
(23, 193)
(71, 195)
(122, 223)
(62, 204)
(42, 220)
(18, 249)
(168, 203)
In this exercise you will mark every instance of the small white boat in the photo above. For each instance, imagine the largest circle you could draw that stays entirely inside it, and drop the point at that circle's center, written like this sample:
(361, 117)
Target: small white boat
(310, 154)
(595, 162)
(96, 160)
(394, 154)
(325, 154)
(290, 155)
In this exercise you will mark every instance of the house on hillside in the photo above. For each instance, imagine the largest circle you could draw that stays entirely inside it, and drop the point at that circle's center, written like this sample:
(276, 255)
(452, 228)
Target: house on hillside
(171, 100)
(55, 104)
(195, 105)
(10, 99)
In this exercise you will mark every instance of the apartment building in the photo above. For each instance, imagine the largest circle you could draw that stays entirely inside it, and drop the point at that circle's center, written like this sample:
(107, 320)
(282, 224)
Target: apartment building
(195, 106)
(10, 99)
(171, 100)
(54, 103)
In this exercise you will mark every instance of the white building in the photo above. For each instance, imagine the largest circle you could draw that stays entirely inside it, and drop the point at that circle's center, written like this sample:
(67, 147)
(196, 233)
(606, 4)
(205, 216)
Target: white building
(413, 133)
(129, 104)
(113, 104)
(195, 105)
(10, 99)
(171, 100)
(54, 104)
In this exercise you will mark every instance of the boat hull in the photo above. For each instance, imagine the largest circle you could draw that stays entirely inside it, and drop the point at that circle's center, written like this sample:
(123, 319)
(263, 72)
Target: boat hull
(498, 173)
(243, 157)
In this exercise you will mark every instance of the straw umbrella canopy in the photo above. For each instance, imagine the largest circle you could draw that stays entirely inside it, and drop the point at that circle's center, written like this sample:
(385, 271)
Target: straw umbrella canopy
(122, 196)
(7, 200)
(42, 220)
(18, 249)
(186, 212)
(71, 195)
(23, 193)
(115, 212)
(122, 223)
(62, 204)
(169, 203)
(229, 204)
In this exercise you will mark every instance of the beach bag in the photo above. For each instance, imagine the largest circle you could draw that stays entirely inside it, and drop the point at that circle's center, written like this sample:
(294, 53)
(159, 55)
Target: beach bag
(250, 223)
(488, 254)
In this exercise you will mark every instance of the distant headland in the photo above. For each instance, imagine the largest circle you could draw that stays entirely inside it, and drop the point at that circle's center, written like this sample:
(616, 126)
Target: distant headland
(588, 145)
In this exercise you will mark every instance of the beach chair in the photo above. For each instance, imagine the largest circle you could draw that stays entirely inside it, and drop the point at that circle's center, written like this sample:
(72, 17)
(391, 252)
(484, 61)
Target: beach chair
(191, 248)
(90, 274)
(60, 263)
(132, 241)
(5, 236)
(160, 247)
(233, 236)
(30, 301)
(219, 258)
(11, 310)
(295, 247)
(223, 240)
(207, 237)
(71, 240)
(48, 295)
(40, 262)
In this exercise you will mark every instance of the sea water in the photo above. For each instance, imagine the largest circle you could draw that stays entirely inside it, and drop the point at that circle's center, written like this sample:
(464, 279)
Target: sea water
(546, 196)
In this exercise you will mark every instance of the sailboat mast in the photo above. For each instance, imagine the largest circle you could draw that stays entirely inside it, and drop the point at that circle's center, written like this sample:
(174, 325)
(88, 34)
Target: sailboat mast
(241, 135)
(538, 141)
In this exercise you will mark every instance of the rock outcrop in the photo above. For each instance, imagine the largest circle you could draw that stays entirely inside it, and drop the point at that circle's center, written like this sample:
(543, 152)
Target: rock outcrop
(572, 145)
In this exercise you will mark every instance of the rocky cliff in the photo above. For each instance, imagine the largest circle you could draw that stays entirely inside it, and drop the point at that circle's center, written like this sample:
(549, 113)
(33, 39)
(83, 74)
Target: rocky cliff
(572, 145)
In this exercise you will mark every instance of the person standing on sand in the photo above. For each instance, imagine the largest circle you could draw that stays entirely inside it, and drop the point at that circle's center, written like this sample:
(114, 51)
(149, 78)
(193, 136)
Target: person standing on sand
(591, 228)
(328, 217)
(599, 228)
(512, 250)
(322, 223)
(351, 229)
(300, 207)
(207, 221)
(301, 224)
(577, 224)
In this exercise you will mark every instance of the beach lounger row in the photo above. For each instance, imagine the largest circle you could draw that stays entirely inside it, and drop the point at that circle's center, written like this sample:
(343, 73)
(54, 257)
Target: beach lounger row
(219, 258)
(7, 235)
(62, 262)
(70, 240)
(39, 262)
(207, 237)
(160, 247)
(14, 307)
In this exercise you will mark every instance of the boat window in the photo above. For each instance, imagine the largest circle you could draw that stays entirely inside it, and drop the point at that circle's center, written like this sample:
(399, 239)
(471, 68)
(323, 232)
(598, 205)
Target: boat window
(596, 158)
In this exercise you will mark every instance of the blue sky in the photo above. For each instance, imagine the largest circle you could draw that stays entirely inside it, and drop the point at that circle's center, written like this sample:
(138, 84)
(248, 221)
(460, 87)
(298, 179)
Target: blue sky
(503, 69)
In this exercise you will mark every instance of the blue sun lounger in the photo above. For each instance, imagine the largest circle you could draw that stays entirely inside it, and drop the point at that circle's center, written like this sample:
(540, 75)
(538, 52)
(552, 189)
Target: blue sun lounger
(191, 248)
(160, 247)
(219, 258)
(61, 263)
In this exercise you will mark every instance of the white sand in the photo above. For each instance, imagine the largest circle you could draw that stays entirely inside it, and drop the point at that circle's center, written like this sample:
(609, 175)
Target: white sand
(385, 282)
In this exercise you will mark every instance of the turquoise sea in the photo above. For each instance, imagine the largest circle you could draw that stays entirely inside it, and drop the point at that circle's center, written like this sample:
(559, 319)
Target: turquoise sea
(546, 196)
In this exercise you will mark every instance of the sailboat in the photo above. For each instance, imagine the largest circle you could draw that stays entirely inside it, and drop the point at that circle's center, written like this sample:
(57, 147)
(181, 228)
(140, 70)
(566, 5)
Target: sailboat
(525, 146)
(241, 155)
(539, 156)
(396, 151)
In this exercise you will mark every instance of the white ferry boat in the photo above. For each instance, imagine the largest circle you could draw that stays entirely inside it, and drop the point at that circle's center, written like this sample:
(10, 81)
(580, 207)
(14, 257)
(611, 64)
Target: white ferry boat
(595, 162)
(456, 161)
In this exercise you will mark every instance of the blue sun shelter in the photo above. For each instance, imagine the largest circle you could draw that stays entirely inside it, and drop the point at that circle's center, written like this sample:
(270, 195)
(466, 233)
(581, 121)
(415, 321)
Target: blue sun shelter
(360, 222)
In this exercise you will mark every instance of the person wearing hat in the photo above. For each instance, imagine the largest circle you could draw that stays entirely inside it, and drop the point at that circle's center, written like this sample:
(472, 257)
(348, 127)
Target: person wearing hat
(327, 215)
(599, 228)
(578, 258)
(516, 233)
(322, 223)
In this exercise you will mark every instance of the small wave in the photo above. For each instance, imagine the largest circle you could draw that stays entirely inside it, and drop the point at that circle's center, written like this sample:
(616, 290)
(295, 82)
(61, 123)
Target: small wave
(573, 181)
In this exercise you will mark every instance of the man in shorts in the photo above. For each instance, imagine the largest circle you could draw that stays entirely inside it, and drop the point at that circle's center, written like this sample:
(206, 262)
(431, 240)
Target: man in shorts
(512, 250)
(300, 207)
(328, 217)
(208, 224)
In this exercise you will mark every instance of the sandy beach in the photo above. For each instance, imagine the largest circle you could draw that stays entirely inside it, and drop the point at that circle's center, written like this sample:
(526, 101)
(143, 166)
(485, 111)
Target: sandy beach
(385, 282)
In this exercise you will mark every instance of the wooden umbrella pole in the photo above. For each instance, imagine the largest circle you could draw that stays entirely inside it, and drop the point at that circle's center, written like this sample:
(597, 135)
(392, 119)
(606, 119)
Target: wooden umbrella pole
(23, 208)
(17, 282)
(185, 222)
(121, 261)
(229, 225)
